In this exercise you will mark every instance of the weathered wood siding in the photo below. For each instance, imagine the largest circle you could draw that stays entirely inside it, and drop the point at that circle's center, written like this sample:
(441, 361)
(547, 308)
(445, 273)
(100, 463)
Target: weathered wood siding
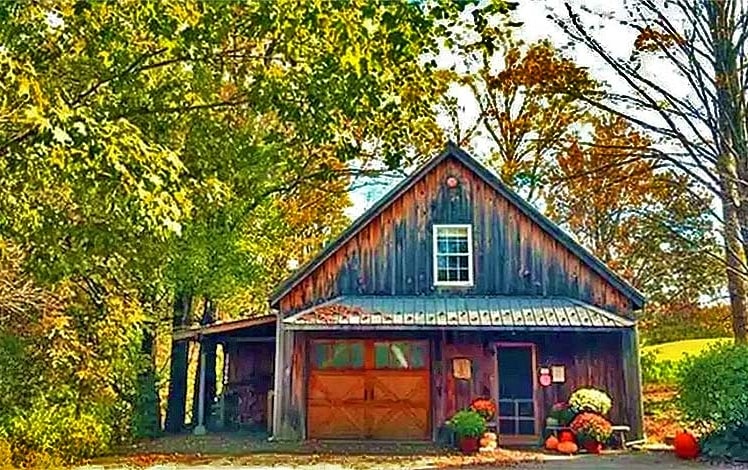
(590, 359)
(249, 378)
(512, 255)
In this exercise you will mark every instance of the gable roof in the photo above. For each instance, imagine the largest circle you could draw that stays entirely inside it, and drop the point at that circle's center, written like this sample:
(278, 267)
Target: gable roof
(453, 151)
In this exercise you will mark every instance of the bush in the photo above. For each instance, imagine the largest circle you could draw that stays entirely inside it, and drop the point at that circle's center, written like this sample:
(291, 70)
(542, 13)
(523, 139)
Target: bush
(6, 456)
(47, 432)
(655, 371)
(590, 399)
(712, 387)
(467, 423)
(728, 443)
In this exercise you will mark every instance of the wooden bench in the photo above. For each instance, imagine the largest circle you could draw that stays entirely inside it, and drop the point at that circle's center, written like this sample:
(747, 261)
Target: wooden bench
(618, 430)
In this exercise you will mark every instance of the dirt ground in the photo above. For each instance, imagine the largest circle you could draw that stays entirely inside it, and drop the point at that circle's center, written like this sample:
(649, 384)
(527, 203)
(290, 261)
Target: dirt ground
(615, 461)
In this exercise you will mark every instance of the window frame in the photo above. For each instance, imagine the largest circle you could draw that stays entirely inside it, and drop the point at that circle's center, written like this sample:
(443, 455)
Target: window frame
(435, 255)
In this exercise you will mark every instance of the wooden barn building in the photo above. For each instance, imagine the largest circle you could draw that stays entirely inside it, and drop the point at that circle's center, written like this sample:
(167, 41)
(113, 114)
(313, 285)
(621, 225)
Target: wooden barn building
(450, 288)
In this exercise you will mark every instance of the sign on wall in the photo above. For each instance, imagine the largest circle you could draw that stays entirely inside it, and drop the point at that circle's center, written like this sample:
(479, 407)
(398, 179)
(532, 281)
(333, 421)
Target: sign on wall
(461, 368)
(558, 374)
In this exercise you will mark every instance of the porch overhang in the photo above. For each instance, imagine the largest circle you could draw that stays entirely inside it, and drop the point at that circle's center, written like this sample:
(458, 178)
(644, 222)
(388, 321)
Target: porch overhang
(508, 313)
(221, 327)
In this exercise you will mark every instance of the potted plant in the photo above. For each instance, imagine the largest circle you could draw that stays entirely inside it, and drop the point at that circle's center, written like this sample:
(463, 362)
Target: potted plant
(590, 399)
(484, 407)
(561, 414)
(591, 430)
(468, 426)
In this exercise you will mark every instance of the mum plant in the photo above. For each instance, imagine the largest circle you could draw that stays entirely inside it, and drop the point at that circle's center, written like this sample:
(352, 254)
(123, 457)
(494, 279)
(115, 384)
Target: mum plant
(590, 399)
(484, 407)
(591, 427)
(467, 423)
(562, 413)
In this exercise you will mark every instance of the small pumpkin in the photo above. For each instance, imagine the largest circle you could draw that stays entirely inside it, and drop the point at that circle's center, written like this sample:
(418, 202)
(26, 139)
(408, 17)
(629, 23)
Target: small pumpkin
(566, 436)
(551, 443)
(567, 447)
(490, 435)
(485, 442)
(686, 446)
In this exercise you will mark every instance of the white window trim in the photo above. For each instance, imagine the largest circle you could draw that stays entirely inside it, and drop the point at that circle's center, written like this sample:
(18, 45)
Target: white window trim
(434, 261)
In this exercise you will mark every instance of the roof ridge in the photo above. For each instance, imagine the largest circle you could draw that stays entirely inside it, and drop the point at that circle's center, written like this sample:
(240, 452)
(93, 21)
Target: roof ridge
(453, 150)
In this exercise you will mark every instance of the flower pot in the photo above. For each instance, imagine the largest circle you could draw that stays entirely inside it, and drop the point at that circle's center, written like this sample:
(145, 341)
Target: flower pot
(551, 421)
(469, 445)
(593, 447)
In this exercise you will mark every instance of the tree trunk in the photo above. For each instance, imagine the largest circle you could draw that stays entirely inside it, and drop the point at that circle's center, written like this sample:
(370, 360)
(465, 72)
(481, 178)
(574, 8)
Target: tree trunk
(147, 416)
(208, 345)
(732, 164)
(736, 284)
(177, 400)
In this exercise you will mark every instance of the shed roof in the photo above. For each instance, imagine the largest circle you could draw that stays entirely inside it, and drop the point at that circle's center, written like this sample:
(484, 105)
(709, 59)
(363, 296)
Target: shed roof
(222, 327)
(422, 312)
(453, 151)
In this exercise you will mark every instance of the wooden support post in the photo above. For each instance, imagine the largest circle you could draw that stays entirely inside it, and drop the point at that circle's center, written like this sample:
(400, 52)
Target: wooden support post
(278, 377)
(200, 428)
(632, 381)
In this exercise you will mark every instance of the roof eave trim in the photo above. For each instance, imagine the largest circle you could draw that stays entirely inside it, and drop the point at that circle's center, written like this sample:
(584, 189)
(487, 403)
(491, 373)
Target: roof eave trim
(637, 298)
(562, 329)
(633, 294)
(383, 203)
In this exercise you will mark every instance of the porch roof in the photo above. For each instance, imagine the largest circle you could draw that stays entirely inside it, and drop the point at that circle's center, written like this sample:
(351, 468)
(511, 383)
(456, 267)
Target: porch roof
(226, 326)
(420, 312)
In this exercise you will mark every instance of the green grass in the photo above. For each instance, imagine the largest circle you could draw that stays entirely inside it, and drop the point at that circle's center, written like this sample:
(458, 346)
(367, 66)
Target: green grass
(674, 351)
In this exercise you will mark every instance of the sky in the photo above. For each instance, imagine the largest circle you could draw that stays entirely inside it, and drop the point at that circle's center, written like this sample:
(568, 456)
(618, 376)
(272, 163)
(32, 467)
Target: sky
(618, 40)
(536, 26)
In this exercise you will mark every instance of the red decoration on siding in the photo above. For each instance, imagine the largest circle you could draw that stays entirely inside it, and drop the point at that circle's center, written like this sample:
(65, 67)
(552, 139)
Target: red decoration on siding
(452, 182)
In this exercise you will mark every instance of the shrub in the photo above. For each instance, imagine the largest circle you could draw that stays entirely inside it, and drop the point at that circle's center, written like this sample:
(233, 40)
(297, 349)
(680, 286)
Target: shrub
(47, 432)
(712, 387)
(467, 423)
(484, 407)
(591, 427)
(656, 371)
(590, 399)
(730, 442)
(6, 456)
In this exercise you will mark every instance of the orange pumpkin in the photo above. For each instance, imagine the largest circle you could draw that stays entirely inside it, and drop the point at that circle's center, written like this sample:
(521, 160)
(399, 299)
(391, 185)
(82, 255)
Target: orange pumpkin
(485, 442)
(567, 447)
(551, 443)
(490, 435)
(686, 446)
(566, 436)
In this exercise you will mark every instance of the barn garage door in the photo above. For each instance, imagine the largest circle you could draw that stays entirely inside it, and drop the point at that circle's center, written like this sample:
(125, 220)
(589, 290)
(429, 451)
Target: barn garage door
(369, 390)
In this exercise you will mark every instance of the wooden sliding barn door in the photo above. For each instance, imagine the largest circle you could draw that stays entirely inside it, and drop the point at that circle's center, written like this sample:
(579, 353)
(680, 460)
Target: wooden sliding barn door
(369, 390)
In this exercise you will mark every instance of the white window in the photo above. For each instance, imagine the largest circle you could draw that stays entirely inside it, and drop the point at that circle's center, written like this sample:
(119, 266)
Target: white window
(453, 255)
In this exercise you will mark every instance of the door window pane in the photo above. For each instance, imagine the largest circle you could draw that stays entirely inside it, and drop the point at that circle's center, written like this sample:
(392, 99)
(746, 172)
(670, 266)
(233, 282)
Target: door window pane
(527, 427)
(399, 355)
(507, 426)
(338, 355)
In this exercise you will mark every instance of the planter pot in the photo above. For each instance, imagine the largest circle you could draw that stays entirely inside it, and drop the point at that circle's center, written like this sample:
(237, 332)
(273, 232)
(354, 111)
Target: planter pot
(593, 447)
(469, 445)
(551, 422)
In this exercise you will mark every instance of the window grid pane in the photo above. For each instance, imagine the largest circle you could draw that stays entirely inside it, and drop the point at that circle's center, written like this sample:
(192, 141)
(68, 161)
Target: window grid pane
(399, 355)
(452, 254)
(338, 355)
(517, 416)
